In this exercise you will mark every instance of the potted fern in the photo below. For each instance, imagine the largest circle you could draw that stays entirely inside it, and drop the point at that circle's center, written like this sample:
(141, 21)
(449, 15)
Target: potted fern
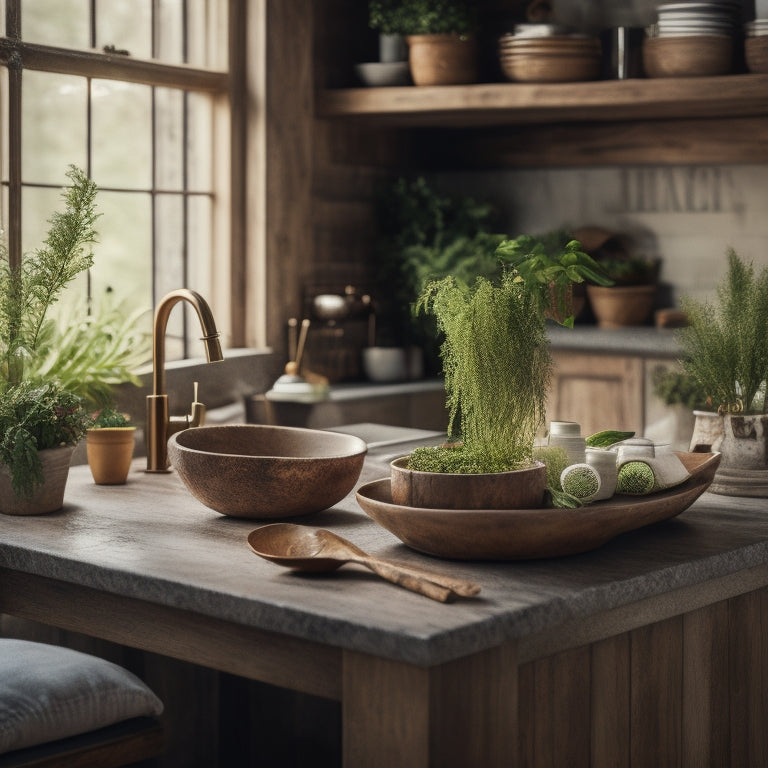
(726, 353)
(497, 370)
(49, 375)
(441, 36)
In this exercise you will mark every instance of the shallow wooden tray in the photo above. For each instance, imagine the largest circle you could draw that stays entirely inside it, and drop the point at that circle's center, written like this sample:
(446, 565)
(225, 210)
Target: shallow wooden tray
(519, 534)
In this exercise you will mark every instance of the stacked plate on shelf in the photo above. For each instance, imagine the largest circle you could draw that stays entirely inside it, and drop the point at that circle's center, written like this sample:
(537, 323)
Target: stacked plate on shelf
(543, 57)
(691, 39)
(756, 45)
(697, 19)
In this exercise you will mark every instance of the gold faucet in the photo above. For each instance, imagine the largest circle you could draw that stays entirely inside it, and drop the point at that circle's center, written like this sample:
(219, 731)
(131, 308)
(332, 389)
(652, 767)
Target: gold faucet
(160, 426)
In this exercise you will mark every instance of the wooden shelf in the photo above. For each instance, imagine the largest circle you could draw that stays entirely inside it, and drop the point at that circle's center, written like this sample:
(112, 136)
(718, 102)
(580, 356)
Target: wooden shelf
(523, 103)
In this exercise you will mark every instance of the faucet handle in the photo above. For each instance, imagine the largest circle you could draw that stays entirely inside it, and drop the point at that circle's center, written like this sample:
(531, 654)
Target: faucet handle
(196, 416)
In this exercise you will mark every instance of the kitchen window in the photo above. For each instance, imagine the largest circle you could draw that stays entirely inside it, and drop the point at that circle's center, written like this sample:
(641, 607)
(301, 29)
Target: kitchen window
(138, 94)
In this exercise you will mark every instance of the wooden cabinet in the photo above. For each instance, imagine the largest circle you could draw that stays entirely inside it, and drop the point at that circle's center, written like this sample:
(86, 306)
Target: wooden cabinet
(598, 391)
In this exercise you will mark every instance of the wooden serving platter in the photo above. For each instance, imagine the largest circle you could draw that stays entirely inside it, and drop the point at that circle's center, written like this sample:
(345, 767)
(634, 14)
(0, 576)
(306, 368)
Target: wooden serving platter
(519, 534)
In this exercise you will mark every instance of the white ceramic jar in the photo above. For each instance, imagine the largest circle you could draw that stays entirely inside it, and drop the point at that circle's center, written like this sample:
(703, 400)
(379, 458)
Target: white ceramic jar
(567, 435)
(604, 461)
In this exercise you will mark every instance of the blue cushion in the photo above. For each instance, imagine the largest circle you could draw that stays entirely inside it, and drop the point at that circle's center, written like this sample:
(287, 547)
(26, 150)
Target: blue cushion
(49, 693)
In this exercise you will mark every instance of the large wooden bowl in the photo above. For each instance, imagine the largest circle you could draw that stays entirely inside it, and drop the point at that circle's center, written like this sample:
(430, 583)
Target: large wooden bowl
(695, 56)
(519, 534)
(259, 471)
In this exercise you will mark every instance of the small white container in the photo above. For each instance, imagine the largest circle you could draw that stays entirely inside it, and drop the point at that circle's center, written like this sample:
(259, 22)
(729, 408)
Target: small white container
(567, 435)
(604, 461)
(635, 448)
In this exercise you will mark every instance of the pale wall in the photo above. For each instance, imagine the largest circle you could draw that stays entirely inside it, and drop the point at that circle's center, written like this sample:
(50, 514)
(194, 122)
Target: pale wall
(688, 216)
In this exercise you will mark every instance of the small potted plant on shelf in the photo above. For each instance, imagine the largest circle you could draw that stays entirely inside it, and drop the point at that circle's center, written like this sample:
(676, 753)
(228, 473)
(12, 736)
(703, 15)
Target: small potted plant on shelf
(725, 352)
(441, 37)
(48, 375)
(497, 369)
(109, 446)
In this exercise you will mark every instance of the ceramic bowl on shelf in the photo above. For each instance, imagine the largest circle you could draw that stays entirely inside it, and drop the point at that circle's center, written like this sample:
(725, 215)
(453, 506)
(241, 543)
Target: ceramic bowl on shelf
(380, 74)
(552, 59)
(756, 53)
(693, 56)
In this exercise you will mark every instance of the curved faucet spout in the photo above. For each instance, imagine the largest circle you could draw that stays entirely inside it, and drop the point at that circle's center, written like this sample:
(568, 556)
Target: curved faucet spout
(159, 424)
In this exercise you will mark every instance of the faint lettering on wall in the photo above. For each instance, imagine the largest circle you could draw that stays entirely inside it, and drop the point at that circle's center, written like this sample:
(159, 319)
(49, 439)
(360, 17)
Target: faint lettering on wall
(698, 189)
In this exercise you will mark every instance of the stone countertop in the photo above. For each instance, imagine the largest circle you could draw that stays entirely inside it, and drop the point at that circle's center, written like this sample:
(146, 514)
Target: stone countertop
(151, 540)
(642, 341)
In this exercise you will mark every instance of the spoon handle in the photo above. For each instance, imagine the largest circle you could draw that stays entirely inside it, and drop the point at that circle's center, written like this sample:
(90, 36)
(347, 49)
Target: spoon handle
(407, 579)
(459, 586)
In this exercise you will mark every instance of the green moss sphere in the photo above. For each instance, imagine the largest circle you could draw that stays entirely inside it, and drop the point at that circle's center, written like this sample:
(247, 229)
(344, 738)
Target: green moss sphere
(635, 478)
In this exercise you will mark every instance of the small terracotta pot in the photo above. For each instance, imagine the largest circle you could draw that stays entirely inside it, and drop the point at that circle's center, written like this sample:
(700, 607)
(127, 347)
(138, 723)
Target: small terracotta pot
(442, 59)
(47, 497)
(109, 451)
(618, 306)
(517, 489)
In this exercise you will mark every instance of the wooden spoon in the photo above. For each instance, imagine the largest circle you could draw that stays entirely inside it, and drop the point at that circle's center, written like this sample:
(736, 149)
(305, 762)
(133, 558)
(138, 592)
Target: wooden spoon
(311, 549)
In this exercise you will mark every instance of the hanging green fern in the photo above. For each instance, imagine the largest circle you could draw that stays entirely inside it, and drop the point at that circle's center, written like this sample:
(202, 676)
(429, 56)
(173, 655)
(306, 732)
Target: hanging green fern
(496, 365)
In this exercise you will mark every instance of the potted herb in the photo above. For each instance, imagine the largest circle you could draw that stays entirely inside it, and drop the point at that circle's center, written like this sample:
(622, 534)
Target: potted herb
(37, 418)
(40, 425)
(497, 370)
(51, 373)
(441, 35)
(726, 353)
(109, 446)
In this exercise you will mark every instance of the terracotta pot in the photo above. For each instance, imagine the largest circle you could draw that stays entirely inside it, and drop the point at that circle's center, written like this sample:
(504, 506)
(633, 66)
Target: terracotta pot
(49, 496)
(110, 450)
(518, 489)
(621, 305)
(442, 59)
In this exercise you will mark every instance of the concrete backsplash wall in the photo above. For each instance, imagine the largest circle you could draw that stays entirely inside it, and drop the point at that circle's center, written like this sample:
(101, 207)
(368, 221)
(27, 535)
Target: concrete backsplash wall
(687, 216)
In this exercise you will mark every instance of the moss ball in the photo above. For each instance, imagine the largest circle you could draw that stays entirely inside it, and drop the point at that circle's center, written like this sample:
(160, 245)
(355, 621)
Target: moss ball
(635, 478)
(581, 481)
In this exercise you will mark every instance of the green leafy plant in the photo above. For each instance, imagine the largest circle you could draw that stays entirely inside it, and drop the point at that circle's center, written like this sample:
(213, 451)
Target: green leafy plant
(424, 235)
(497, 370)
(50, 365)
(724, 345)
(34, 417)
(109, 417)
(677, 388)
(631, 270)
(423, 17)
(28, 291)
(549, 270)
(89, 350)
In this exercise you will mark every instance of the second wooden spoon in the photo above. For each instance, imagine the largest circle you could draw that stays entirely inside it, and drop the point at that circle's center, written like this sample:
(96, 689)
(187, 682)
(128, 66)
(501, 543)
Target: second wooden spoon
(310, 549)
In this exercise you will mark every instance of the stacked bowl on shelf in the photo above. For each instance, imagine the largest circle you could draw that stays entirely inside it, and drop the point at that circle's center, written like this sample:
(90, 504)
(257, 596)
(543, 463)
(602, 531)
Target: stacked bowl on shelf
(691, 39)
(547, 53)
(756, 45)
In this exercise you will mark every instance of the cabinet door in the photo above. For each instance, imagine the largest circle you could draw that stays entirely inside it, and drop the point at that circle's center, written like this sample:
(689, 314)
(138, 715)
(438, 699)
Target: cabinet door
(598, 391)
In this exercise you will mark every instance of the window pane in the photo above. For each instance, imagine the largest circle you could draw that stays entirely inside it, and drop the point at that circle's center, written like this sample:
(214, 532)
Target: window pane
(37, 206)
(123, 255)
(63, 23)
(200, 259)
(169, 138)
(54, 122)
(122, 134)
(126, 24)
(169, 263)
(200, 142)
(170, 31)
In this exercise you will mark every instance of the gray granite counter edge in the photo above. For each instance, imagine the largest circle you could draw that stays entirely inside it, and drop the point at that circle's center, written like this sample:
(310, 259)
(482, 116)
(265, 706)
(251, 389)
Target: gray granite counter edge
(421, 650)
